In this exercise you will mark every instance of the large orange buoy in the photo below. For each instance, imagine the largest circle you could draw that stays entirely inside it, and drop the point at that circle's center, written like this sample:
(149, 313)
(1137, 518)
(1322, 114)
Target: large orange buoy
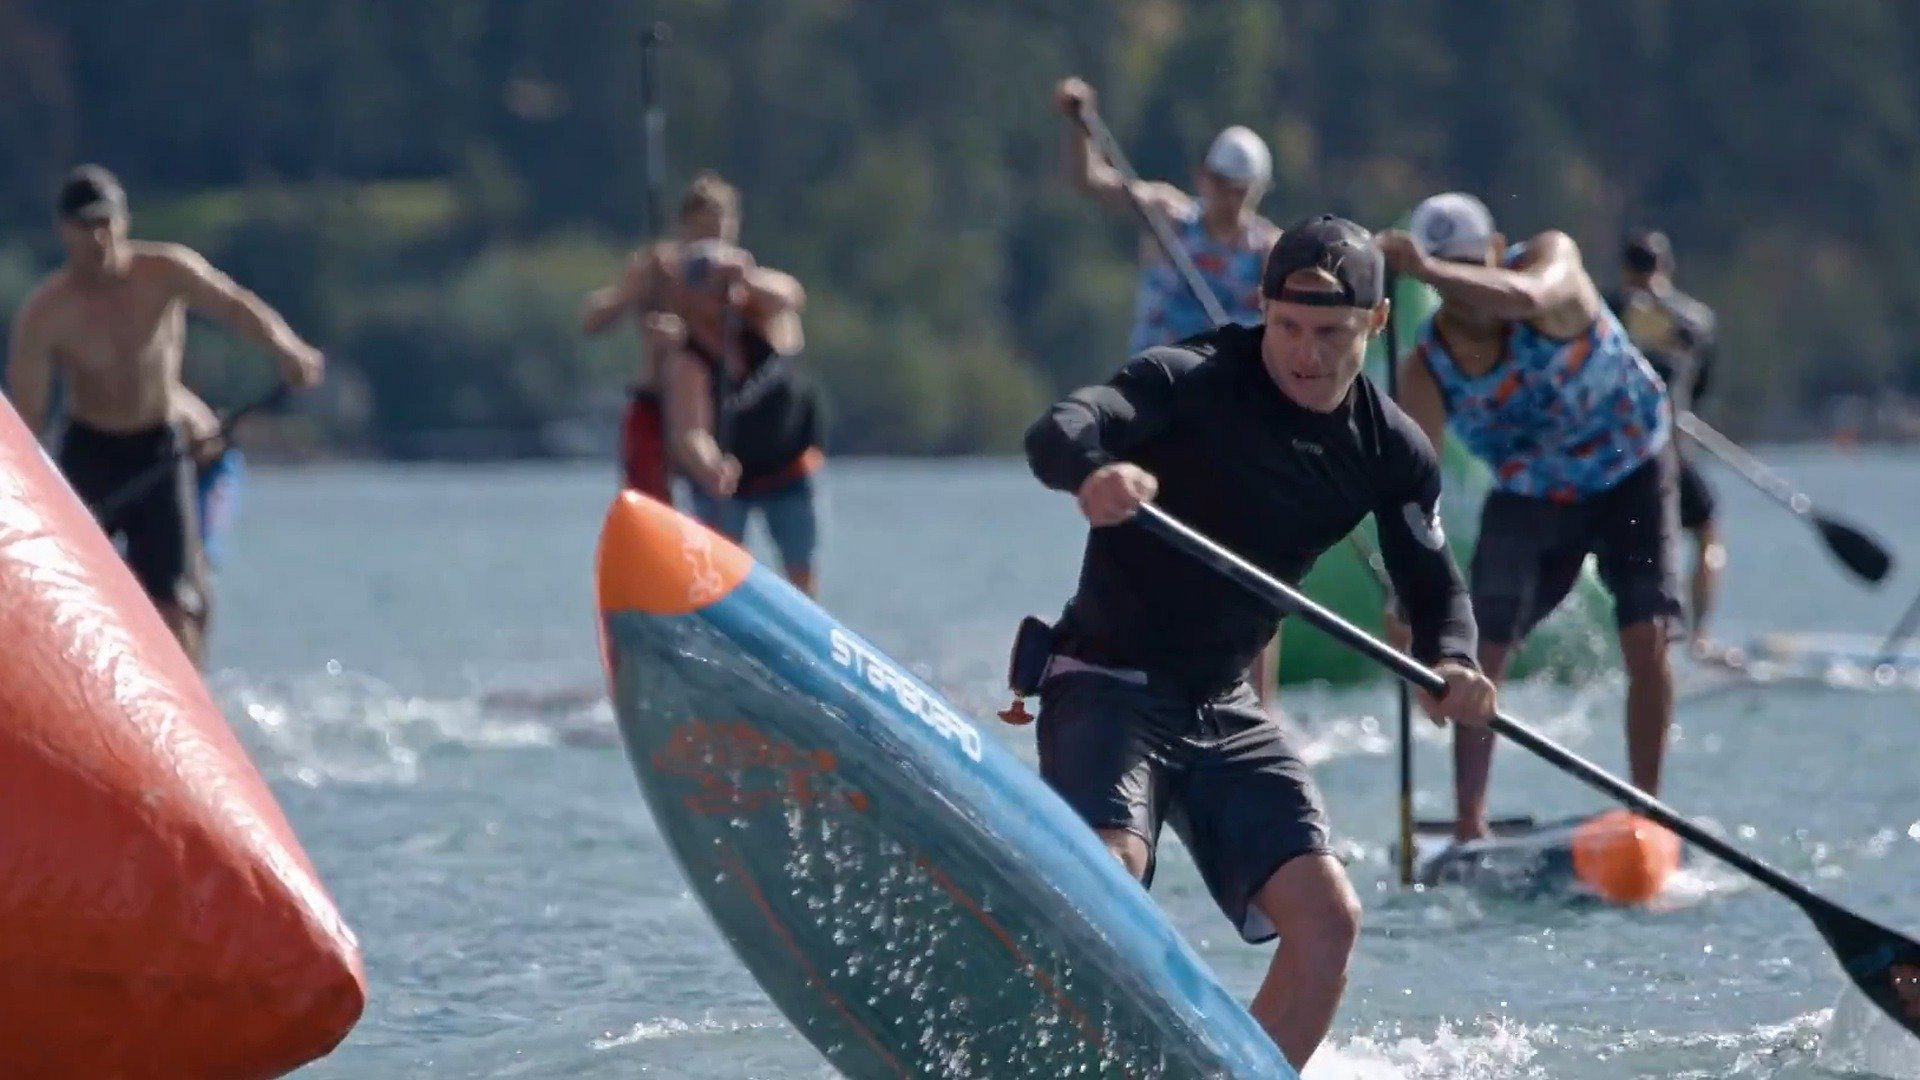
(1623, 857)
(157, 916)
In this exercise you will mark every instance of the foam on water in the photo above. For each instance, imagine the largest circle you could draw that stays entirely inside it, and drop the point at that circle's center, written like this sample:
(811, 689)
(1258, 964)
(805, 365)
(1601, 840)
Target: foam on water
(1860, 1039)
(1488, 1049)
(343, 727)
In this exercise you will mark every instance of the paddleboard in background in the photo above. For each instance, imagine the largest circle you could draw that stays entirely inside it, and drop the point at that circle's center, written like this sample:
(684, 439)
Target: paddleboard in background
(1807, 661)
(1612, 856)
(160, 917)
(912, 897)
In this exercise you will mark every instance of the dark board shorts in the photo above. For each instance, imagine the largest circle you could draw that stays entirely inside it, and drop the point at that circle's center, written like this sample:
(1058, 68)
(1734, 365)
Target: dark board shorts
(1128, 754)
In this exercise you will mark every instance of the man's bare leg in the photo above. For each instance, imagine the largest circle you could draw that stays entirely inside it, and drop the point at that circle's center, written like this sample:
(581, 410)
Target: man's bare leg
(1313, 906)
(1265, 673)
(187, 628)
(1129, 847)
(1643, 652)
(801, 577)
(1710, 558)
(1473, 757)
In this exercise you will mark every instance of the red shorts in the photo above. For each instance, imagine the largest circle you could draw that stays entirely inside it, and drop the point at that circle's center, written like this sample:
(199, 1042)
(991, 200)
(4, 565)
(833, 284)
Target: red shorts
(643, 446)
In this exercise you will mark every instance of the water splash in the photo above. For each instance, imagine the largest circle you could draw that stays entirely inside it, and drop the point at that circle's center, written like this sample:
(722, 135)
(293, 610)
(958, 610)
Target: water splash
(667, 1027)
(343, 727)
(1493, 1048)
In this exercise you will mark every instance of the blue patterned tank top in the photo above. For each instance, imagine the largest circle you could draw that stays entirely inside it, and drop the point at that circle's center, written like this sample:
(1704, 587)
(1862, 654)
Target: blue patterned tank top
(1559, 420)
(1165, 310)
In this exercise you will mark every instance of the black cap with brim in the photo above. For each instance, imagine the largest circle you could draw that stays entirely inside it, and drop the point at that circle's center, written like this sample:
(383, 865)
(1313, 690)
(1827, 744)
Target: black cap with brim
(1339, 247)
(1647, 250)
(91, 193)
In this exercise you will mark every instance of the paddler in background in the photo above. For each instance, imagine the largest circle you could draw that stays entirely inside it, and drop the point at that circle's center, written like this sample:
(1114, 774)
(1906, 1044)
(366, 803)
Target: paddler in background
(1535, 376)
(112, 323)
(1676, 333)
(1268, 438)
(709, 210)
(1219, 226)
(744, 423)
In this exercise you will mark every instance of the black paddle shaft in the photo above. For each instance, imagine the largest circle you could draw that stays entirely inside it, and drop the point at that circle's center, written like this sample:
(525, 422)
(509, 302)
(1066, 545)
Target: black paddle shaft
(1884, 964)
(653, 121)
(1405, 695)
(1861, 553)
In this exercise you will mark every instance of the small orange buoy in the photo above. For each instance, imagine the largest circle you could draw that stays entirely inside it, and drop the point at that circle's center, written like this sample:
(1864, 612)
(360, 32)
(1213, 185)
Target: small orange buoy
(1623, 857)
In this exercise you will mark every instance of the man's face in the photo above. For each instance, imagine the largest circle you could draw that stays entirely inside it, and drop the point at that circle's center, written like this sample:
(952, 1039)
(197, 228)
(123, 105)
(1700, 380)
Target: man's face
(93, 244)
(710, 223)
(1314, 353)
(1473, 317)
(1218, 191)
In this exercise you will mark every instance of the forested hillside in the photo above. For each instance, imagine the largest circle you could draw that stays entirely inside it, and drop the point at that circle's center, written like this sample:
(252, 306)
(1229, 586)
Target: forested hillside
(427, 188)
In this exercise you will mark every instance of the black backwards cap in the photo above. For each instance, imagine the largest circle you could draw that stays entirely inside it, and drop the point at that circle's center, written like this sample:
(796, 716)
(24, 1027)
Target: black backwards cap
(91, 193)
(1333, 244)
(1647, 250)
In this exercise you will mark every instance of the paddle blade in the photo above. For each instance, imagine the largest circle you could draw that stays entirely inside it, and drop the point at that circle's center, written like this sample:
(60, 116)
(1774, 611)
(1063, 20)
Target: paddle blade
(1861, 553)
(1883, 964)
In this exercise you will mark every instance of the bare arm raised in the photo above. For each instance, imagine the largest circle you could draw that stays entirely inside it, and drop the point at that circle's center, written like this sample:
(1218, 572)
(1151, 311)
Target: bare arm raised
(1548, 282)
(218, 296)
(1088, 172)
(637, 290)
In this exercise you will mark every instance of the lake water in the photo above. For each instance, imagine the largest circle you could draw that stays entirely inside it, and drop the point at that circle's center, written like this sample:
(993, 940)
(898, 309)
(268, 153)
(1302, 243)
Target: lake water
(387, 636)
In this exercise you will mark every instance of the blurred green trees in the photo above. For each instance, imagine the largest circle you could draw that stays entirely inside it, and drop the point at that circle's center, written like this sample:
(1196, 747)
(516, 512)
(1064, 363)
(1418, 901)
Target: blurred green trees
(427, 188)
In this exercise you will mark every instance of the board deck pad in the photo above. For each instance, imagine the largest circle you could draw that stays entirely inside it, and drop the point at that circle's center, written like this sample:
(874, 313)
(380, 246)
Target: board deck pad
(914, 899)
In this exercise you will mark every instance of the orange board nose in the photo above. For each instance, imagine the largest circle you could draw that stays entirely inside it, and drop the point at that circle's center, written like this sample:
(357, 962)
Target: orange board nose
(657, 560)
(157, 916)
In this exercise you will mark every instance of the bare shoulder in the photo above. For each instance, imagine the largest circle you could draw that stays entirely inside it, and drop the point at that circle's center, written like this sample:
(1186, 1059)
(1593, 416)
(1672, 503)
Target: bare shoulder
(166, 259)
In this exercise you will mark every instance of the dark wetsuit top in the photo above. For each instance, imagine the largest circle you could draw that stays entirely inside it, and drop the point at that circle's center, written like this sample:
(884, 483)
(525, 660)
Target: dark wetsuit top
(1280, 484)
(769, 418)
(1674, 332)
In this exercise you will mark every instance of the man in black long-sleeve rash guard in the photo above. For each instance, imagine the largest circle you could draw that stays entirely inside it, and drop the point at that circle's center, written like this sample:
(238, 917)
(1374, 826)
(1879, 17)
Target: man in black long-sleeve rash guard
(1267, 439)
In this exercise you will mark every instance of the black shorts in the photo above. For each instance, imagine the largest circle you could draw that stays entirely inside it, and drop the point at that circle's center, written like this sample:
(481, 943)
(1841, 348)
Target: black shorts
(159, 527)
(1530, 552)
(1127, 755)
(1696, 498)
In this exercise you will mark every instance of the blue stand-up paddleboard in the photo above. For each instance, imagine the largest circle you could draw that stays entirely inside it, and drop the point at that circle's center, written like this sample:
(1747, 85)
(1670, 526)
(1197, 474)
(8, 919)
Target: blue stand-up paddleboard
(914, 899)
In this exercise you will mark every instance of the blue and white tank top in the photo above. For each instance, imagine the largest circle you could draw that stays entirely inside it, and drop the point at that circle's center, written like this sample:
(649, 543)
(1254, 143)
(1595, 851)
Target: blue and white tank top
(1559, 420)
(1165, 310)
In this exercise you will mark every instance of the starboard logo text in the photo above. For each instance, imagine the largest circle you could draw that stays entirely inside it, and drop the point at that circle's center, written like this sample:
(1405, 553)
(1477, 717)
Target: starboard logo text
(858, 657)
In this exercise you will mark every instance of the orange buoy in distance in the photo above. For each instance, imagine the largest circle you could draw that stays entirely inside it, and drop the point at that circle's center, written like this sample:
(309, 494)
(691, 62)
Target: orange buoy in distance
(1623, 857)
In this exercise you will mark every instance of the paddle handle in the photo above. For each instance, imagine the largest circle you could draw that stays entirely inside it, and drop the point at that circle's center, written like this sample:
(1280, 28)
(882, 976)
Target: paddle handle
(1749, 467)
(1276, 592)
(1156, 224)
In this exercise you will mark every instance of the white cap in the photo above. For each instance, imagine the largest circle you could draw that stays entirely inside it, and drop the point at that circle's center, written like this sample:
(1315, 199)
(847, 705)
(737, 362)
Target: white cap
(1238, 156)
(1454, 225)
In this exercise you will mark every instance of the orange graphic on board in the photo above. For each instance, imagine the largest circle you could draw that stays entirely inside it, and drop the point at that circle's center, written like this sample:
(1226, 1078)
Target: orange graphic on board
(740, 769)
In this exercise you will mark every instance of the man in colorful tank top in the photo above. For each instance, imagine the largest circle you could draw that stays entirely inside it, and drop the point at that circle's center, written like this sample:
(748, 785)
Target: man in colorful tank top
(1533, 373)
(1227, 240)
